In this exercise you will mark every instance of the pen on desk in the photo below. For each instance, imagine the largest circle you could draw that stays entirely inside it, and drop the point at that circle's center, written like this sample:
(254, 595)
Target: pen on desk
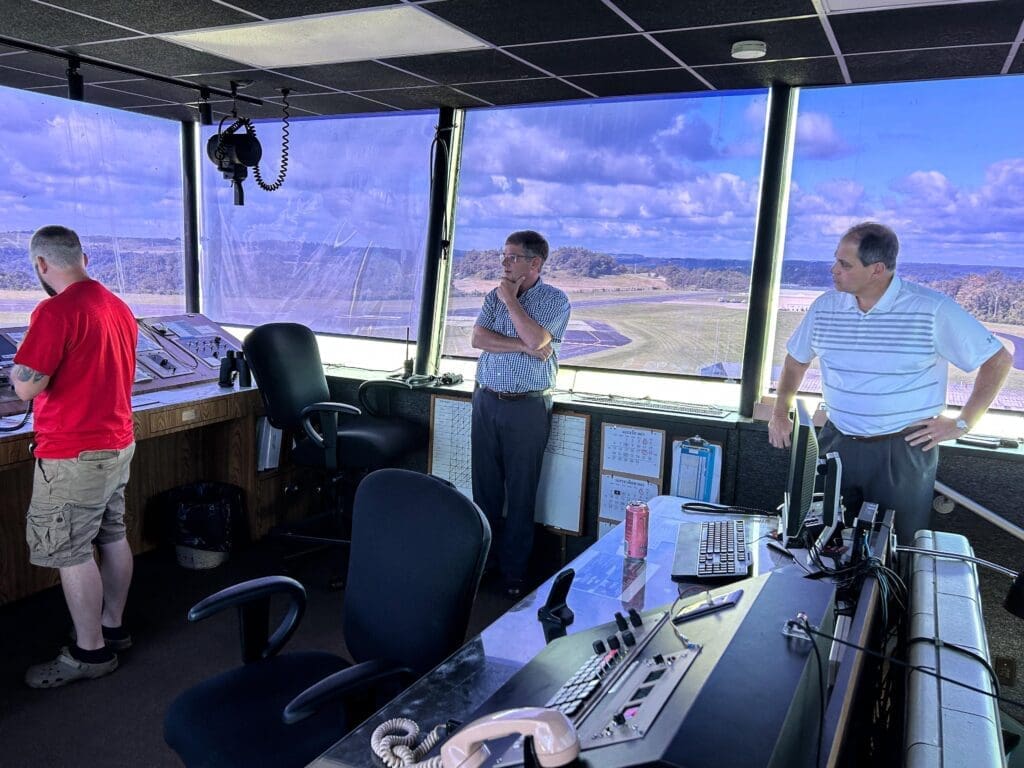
(777, 546)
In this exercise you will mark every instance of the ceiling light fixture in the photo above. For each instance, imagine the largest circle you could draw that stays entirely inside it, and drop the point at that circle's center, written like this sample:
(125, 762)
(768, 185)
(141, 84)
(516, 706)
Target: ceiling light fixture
(749, 49)
(372, 33)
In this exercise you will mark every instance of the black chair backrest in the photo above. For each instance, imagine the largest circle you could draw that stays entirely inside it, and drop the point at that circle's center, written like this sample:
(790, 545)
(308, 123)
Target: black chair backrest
(285, 360)
(418, 551)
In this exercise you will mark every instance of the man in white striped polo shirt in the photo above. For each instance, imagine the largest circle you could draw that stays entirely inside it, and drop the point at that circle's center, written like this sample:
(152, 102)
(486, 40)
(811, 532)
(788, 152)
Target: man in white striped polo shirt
(519, 329)
(884, 346)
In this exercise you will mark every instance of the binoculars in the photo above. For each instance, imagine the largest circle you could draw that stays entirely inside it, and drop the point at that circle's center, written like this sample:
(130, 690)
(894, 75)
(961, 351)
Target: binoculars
(231, 363)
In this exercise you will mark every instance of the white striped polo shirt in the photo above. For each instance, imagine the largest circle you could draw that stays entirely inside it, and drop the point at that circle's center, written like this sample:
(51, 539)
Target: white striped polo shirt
(884, 369)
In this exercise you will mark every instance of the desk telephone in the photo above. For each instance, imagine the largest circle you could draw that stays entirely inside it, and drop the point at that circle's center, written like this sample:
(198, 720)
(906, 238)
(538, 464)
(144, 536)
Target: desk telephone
(613, 697)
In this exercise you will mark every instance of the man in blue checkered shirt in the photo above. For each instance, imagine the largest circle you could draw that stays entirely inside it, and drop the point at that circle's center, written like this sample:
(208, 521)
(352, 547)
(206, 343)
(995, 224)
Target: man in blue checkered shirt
(519, 331)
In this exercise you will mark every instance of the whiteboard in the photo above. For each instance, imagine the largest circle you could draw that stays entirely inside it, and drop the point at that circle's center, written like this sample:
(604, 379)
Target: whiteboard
(562, 476)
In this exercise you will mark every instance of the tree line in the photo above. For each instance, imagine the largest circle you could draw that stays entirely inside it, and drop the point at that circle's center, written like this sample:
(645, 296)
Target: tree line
(155, 267)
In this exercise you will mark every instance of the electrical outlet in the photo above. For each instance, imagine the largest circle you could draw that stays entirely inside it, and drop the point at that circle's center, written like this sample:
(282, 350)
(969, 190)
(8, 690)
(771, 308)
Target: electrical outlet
(1006, 670)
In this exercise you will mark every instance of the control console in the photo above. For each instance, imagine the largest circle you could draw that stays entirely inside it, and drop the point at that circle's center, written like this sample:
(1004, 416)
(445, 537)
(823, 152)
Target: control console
(616, 694)
(172, 351)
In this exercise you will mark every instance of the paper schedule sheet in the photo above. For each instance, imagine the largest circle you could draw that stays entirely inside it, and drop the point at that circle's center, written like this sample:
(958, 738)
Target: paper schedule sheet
(696, 470)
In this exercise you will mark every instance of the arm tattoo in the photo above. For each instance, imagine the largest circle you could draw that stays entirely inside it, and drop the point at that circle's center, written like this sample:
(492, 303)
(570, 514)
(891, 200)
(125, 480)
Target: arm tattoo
(24, 373)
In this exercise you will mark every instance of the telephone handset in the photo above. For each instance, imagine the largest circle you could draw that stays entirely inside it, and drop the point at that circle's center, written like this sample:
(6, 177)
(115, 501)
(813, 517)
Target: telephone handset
(554, 737)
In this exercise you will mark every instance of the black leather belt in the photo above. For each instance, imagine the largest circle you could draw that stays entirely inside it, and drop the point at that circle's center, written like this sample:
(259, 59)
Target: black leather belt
(515, 395)
(879, 438)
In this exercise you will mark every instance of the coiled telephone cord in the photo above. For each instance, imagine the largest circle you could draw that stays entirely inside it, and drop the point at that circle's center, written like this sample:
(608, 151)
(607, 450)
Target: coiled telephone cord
(393, 741)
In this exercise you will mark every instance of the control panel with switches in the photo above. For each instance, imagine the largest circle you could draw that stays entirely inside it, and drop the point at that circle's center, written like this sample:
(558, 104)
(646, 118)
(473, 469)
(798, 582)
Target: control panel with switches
(171, 352)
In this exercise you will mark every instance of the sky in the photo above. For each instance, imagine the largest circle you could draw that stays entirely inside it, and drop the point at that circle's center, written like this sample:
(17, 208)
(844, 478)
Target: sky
(941, 162)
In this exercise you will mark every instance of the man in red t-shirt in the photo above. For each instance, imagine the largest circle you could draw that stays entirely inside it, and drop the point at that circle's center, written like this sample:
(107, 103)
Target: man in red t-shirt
(77, 361)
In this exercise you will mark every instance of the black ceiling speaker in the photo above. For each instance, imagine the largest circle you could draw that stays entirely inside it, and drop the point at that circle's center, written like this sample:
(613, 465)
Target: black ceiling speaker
(234, 152)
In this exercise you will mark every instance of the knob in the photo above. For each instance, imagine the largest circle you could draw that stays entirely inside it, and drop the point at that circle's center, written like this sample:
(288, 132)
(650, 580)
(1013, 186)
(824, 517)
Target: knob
(628, 639)
(613, 642)
(599, 648)
(620, 621)
(619, 719)
(634, 618)
(659, 659)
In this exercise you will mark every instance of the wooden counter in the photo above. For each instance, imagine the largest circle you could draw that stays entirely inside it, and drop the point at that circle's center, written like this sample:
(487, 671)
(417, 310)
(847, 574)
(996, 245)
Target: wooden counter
(200, 432)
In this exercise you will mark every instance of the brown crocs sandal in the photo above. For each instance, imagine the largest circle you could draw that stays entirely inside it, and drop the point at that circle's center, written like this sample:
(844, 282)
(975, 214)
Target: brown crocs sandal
(66, 669)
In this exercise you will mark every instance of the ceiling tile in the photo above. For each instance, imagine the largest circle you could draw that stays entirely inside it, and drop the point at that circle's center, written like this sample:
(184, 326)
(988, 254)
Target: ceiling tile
(934, 26)
(289, 9)
(508, 22)
(1015, 68)
(159, 56)
(257, 83)
(656, 81)
(49, 26)
(785, 40)
(588, 57)
(354, 76)
(153, 89)
(153, 16)
(430, 97)
(17, 78)
(702, 13)
(929, 64)
(98, 94)
(466, 66)
(524, 91)
(269, 110)
(338, 104)
(56, 66)
(761, 74)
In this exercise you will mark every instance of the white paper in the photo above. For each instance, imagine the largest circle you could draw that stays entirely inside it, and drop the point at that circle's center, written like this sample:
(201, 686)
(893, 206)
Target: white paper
(632, 450)
(617, 491)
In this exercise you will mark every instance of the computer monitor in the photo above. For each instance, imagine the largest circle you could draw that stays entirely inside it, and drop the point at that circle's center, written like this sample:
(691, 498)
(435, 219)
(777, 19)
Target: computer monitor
(803, 466)
(831, 466)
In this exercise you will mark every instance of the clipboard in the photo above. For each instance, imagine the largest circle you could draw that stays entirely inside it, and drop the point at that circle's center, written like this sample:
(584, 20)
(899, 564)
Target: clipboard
(696, 469)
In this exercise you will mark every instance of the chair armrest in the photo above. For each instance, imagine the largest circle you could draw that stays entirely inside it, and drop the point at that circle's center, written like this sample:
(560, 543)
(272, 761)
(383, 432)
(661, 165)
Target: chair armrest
(366, 386)
(331, 408)
(351, 680)
(252, 598)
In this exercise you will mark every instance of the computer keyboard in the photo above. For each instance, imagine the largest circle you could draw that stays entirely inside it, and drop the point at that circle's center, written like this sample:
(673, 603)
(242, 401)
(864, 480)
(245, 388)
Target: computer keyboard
(711, 550)
(647, 404)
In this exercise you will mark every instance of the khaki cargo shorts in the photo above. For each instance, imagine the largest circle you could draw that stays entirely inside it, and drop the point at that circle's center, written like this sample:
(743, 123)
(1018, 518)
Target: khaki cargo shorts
(75, 503)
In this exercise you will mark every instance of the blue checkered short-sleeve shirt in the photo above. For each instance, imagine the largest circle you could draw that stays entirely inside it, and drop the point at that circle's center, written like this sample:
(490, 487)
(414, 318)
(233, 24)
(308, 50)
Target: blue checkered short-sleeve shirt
(518, 371)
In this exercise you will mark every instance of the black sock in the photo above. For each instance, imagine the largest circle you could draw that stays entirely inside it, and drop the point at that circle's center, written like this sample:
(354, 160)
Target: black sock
(98, 656)
(115, 633)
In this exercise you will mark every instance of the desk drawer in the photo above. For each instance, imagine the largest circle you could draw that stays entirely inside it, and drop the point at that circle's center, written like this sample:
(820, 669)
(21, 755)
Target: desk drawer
(186, 416)
(15, 450)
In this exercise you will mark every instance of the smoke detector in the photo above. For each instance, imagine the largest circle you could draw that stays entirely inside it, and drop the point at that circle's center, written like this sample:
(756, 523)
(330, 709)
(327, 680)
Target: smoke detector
(749, 49)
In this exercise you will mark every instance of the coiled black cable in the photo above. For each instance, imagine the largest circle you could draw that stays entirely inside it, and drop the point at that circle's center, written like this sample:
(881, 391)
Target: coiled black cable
(282, 172)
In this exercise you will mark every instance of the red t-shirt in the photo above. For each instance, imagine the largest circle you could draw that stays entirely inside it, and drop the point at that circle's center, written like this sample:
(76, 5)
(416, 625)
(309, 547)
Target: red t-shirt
(84, 340)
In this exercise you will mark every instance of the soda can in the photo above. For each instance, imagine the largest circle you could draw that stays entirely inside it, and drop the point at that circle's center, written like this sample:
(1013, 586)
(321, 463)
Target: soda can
(637, 516)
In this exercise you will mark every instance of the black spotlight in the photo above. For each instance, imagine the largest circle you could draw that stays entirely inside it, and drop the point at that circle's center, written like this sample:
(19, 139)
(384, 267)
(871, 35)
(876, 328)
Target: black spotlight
(76, 85)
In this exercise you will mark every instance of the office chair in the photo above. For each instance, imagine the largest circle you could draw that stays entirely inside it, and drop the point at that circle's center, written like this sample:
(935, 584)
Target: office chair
(419, 548)
(339, 439)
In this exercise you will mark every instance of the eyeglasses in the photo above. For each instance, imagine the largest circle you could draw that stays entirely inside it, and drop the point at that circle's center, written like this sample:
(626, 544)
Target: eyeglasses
(503, 257)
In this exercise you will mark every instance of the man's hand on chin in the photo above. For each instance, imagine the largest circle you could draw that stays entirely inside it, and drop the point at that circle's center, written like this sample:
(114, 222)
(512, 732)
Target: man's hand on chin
(508, 290)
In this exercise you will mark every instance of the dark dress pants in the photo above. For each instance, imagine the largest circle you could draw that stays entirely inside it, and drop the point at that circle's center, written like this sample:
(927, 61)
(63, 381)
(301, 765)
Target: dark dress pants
(508, 441)
(890, 472)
